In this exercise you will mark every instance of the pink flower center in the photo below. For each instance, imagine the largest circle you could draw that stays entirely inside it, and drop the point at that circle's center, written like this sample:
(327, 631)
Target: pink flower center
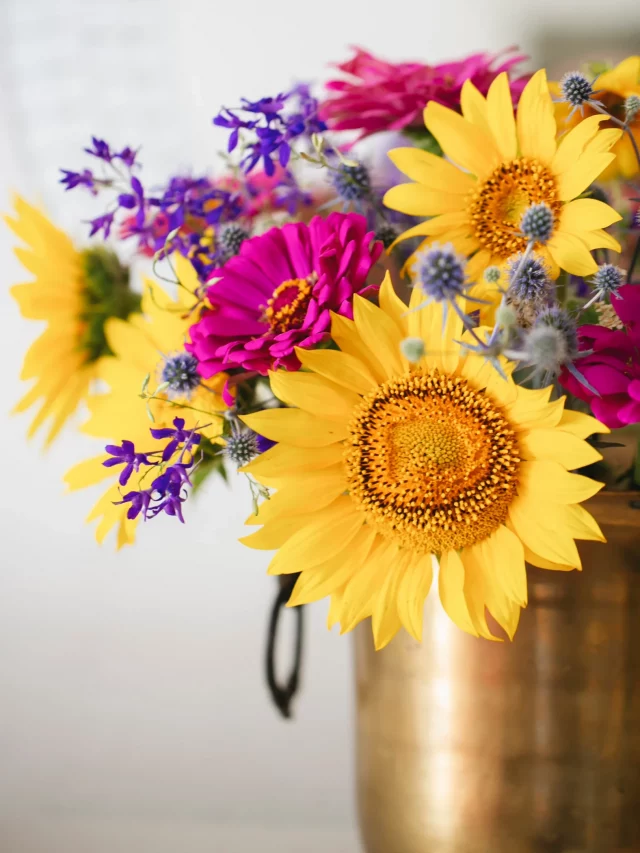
(287, 308)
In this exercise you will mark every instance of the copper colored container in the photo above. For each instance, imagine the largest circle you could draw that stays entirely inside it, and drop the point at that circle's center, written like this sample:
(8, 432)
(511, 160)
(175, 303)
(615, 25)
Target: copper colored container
(468, 746)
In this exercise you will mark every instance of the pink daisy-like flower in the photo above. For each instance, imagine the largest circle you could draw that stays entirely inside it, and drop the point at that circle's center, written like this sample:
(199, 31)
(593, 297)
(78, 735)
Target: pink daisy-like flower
(380, 95)
(279, 292)
(613, 366)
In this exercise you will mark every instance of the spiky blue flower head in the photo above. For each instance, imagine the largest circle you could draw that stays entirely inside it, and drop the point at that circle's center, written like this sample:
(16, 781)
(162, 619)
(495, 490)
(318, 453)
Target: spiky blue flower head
(576, 88)
(241, 447)
(492, 275)
(528, 281)
(412, 349)
(631, 107)
(562, 322)
(180, 371)
(229, 239)
(387, 234)
(537, 223)
(351, 182)
(441, 273)
(608, 280)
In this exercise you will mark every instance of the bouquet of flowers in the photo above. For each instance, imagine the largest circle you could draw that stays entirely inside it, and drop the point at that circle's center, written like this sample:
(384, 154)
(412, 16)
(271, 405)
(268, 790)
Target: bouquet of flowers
(409, 350)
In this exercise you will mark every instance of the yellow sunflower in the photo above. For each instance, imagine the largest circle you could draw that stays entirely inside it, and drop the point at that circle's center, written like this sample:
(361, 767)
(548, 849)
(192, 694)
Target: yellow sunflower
(382, 469)
(495, 166)
(150, 344)
(74, 292)
(613, 87)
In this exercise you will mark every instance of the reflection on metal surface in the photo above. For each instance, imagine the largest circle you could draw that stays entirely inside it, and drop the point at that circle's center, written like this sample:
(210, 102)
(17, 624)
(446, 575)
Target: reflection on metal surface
(468, 746)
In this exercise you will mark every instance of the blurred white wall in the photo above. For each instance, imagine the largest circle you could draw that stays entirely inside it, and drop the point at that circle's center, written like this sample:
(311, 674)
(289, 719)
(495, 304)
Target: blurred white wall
(133, 715)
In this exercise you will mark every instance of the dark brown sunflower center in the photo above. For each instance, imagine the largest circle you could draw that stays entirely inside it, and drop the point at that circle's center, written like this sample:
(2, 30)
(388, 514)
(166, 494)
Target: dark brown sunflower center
(497, 206)
(432, 462)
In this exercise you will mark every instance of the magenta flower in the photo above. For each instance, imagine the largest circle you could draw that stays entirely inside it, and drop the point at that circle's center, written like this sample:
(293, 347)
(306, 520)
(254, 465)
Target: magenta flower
(613, 368)
(380, 95)
(278, 293)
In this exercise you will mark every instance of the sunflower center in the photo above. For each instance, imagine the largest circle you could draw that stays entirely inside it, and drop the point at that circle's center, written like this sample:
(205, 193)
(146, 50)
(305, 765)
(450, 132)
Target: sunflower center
(432, 461)
(497, 206)
(288, 305)
(105, 293)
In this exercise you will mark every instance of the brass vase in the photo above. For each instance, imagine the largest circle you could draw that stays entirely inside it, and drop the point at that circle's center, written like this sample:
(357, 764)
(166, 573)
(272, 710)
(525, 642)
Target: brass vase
(469, 746)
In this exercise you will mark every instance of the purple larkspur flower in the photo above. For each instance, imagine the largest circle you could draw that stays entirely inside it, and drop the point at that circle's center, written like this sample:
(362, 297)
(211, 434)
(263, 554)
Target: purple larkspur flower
(125, 454)
(86, 178)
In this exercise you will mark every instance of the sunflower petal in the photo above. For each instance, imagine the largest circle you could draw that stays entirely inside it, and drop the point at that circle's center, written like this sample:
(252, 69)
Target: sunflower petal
(558, 446)
(412, 592)
(327, 533)
(536, 120)
(314, 394)
(451, 578)
(431, 171)
(466, 144)
(500, 116)
(340, 367)
(293, 426)
(571, 254)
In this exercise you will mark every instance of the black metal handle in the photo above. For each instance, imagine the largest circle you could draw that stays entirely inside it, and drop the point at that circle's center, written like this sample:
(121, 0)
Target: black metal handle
(283, 695)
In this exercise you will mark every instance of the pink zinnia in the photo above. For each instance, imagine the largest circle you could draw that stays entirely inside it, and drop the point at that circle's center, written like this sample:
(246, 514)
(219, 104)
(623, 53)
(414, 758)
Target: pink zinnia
(277, 294)
(613, 368)
(384, 95)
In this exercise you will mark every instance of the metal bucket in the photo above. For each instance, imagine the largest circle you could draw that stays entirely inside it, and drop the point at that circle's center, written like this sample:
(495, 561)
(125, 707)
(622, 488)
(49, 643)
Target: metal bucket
(469, 746)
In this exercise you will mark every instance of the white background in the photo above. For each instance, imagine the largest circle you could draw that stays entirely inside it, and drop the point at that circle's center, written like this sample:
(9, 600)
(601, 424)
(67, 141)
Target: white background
(133, 715)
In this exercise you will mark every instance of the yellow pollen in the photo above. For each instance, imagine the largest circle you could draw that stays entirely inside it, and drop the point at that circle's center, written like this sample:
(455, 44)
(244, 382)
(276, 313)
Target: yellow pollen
(288, 305)
(432, 462)
(496, 208)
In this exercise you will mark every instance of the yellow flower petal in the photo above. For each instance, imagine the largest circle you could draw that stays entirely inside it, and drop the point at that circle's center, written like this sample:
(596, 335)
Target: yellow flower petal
(474, 106)
(385, 621)
(581, 174)
(562, 447)
(571, 254)
(392, 305)
(379, 333)
(330, 530)
(412, 592)
(551, 482)
(540, 563)
(581, 524)
(476, 592)
(580, 424)
(538, 531)
(340, 367)
(503, 554)
(451, 589)
(587, 214)
(335, 572)
(417, 200)
(536, 120)
(573, 143)
(360, 592)
(293, 426)
(599, 239)
(273, 534)
(277, 461)
(345, 334)
(500, 116)
(314, 394)
(321, 488)
(603, 141)
(431, 171)
(87, 473)
(465, 144)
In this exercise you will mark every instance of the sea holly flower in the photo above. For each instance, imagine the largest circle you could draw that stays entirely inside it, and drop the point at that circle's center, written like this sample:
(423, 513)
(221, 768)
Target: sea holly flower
(616, 87)
(502, 169)
(365, 518)
(279, 292)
